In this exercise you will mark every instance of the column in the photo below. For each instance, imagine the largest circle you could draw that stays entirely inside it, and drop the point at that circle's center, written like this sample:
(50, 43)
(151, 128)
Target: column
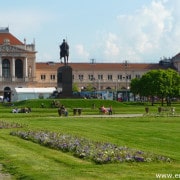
(13, 69)
(25, 69)
(0, 68)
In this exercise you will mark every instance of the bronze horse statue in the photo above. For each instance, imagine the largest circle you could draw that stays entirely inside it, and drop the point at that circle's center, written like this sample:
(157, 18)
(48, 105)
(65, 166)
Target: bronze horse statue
(64, 52)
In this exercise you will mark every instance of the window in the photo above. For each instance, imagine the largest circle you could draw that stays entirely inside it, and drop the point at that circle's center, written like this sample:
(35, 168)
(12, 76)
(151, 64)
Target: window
(6, 68)
(128, 76)
(19, 68)
(52, 77)
(91, 77)
(43, 77)
(138, 76)
(100, 76)
(81, 77)
(109, 77)
(119, 77)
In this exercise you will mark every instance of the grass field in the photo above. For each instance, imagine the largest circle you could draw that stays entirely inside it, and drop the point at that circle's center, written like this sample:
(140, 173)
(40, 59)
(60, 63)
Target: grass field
(27, 160)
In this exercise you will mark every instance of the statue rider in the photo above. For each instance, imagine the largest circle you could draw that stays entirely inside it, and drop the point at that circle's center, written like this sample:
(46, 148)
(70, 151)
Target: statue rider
(64, 51)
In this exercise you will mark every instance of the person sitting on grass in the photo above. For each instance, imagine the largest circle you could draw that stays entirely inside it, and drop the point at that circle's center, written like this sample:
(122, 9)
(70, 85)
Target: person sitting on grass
(62, 110)
(103, 109)
(15, 110)
(110, 110)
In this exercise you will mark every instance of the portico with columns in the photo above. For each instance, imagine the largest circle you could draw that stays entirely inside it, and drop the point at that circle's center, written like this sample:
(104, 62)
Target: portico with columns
(17, 63)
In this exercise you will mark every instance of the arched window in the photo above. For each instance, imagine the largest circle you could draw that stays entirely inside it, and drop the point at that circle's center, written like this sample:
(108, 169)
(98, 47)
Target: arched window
(18, 68)
(6, 68)
(7, 94)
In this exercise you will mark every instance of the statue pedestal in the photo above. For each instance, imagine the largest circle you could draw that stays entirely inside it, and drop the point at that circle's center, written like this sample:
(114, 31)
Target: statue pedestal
(64, 81)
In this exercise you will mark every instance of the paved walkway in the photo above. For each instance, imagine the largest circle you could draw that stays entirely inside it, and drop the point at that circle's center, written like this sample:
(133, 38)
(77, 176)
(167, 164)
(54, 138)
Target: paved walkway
(120, 115)
(4, 176)
(109, 116)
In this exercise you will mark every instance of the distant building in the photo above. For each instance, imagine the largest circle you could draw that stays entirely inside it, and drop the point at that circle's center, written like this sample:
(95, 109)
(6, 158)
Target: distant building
(101, 76)
(19, 69)
(17, 63)
(176, 62)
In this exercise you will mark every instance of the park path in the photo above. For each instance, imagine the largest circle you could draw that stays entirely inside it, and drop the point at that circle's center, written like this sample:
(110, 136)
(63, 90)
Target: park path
(120, 115)
(110, 116)
(4, 176)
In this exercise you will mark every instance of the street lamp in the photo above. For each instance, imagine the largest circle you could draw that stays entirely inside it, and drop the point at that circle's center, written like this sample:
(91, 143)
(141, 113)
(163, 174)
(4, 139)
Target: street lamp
(81, 80)
(116, 88)
(93, 78)
(126, 78)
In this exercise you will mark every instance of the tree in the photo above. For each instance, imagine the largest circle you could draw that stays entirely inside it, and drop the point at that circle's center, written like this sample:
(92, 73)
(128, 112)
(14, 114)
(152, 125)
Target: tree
(164, 84)
(89, 87)
(135, 86)
(75, 87)
(148, 85)
(169, 85)
(174, 87)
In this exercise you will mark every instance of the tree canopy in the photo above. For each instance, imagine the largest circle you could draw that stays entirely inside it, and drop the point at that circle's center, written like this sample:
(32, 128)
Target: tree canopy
(164, 84)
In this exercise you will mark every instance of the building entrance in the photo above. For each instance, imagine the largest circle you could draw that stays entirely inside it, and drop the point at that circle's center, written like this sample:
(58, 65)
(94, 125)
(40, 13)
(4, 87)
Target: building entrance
(7, 94)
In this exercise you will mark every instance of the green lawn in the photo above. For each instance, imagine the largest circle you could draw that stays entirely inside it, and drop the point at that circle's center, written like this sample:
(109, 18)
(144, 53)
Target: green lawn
(27, 160)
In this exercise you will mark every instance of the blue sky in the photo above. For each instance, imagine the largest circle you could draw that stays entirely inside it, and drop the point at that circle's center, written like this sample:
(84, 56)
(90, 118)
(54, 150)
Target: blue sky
(107, 31)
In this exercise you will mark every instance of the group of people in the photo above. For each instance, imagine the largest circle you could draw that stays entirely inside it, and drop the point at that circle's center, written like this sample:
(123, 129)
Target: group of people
(62, 110)
(106, 110)
(22, 110)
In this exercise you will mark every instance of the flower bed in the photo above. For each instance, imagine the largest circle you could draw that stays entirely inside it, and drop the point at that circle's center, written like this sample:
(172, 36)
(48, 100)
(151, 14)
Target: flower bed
(98, 152)
(7, 125)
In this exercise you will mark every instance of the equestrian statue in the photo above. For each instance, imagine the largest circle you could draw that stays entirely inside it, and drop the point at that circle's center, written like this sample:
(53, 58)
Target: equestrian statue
(64, 52)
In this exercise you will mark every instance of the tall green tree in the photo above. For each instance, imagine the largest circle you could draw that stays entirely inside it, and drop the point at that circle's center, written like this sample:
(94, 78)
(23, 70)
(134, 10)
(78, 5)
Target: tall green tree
(174, 85)
(135, 86)
(164, 84)
(148, 85)
(75, 87)
(89, 87)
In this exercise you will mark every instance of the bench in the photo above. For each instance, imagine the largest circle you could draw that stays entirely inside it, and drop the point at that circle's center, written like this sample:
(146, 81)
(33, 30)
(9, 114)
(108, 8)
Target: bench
(170, 110)
(77, 110)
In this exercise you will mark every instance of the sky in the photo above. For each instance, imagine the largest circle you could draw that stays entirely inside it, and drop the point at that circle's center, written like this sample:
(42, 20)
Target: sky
(136, 31)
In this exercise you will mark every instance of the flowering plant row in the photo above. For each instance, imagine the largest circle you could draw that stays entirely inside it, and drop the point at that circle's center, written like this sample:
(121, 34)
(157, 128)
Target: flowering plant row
(7, 125)
(83, 148)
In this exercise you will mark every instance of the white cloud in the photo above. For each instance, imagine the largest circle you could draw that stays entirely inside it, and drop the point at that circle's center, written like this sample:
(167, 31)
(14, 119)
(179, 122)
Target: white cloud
(80, 50)
(144, 35)
(24, 21)
(111, 46)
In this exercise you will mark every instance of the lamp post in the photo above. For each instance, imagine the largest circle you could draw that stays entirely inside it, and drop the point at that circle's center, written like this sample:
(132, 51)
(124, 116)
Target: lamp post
(116, 89)
(92, 61)
(126, 78)
(81, 79)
